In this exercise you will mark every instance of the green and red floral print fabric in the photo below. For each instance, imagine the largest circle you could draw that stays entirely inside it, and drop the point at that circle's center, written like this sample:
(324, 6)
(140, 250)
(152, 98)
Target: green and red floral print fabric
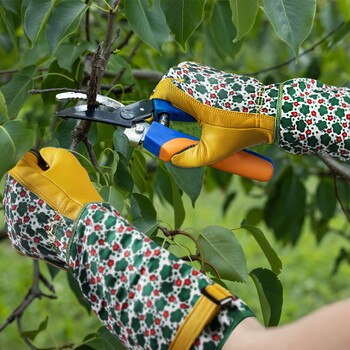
(140, 291)
(32, 225)
(311, 117)
(314, 118)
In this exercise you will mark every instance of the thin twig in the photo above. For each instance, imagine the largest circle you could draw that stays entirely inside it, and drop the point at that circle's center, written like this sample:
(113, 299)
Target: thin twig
(117, 91)
(150, 75)
(42, 91)
(337, 194)
(87, 23)
(340, 233)
(91, 152)
(291, 60)
(25, 339)
(125, 41)
(336, 167)
(129, 59)
(173, 233)
(98, 65)
(33, 293)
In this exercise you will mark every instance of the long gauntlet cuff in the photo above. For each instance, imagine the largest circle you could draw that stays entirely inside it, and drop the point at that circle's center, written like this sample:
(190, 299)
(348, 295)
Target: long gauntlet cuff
(314, 118)
(144, 295)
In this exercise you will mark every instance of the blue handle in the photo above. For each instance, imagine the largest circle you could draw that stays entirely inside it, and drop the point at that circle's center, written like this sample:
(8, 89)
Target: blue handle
(158, 135)
(163, 106)
(164, 143)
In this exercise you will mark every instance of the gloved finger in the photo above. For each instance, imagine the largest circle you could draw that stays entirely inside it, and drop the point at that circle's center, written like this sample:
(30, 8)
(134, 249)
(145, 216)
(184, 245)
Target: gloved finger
(68, 174)
(29, 163)
(211, 148)
(59, 157)
(65, 185)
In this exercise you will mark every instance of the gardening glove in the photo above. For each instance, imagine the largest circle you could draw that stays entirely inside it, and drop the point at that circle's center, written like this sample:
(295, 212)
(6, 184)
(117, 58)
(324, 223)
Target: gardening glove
(144, 295)
(301, 116)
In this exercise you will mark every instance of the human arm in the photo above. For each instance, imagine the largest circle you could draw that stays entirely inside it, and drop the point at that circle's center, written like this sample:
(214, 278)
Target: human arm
(323, 329)
(301, 116)
(144, 295)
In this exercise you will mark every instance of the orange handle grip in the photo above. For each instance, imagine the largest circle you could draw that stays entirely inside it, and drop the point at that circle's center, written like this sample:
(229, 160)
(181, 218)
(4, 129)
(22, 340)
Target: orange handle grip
(243, 163)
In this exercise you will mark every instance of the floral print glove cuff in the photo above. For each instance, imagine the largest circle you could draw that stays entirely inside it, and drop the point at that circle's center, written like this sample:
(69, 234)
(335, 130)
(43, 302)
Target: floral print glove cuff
(144, 295)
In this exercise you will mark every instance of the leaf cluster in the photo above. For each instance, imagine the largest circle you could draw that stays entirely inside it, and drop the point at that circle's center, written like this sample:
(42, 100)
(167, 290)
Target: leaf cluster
(47, 45)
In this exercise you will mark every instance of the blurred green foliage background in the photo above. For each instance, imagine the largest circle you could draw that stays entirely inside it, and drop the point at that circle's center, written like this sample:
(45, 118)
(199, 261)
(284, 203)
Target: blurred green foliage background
(49, 43)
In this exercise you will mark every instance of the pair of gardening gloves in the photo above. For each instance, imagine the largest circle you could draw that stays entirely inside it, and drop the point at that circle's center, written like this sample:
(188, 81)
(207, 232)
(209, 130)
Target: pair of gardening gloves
(144, 295)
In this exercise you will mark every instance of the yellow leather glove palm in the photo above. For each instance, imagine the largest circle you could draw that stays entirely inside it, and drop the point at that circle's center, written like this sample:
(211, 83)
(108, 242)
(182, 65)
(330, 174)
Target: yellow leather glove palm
(228, 107)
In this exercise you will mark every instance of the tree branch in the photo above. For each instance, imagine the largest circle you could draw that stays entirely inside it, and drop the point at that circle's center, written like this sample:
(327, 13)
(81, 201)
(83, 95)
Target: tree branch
(151, 75)
(33, 293)
(336, 167)
(125, 41)
(129, 59)
(291, 60)
(42, 91)
(98, 65)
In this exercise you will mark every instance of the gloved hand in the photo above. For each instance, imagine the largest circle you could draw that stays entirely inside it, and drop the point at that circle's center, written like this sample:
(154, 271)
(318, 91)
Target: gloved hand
(228, 108)
(44, 195)
(301, 116)
(144, 295)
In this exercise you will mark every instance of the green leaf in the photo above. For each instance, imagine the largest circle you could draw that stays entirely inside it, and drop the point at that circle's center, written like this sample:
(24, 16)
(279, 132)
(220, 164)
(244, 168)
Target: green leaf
(108, 163)
(148, 23)
(284, 211)
(343, 256)
(35, 18)
(16, 138)
(121, 144)
(112, 196)
(102, 340)
(123, 179)
(270, 294)
(117, 63)
(9, 22)
(183, 17)
(179, 210)
(143, 213)
(53, 270)
(16, 91)
(68, 53)
(344, 9)
(110, 341)
(221, 248)
(32, 334)
(254, 216)
(3, 108)
(222, 30)
(63, 21)
(326, 199)
(270, 253)
(189, 180)
(243, 16)
(343, 190)
(167, 189)
(139, 171)
(57, 77)
(292, 20)
(12, 5)
(75, 288)
(228, 200)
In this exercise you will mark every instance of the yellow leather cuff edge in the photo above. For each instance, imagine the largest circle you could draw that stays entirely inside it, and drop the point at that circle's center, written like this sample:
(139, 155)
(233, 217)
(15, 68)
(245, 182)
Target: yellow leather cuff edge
(205, 309)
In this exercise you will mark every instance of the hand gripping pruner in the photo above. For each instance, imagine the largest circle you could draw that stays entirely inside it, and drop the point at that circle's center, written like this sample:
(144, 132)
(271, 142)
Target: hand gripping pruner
(147, 122)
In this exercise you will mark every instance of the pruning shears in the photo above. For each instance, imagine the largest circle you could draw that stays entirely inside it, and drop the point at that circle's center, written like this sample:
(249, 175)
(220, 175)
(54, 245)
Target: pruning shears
(147, 123)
